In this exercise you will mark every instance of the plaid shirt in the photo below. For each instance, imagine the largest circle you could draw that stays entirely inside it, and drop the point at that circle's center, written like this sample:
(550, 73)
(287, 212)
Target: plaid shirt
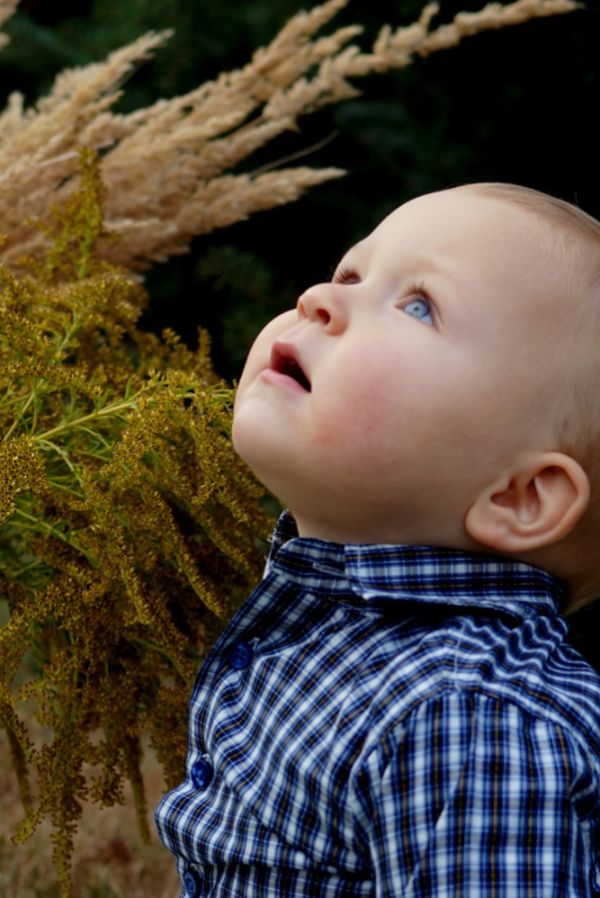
(391, 721)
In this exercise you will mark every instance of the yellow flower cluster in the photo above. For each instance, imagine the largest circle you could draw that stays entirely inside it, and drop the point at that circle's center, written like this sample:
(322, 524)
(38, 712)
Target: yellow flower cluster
(128, 527)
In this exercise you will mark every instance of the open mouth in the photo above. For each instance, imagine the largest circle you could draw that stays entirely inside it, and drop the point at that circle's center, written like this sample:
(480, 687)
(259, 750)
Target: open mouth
(284, 361)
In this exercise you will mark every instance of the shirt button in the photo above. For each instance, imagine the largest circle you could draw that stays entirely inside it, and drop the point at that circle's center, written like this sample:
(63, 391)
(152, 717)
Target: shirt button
(202, 773)
(239, 655)
(191, 883)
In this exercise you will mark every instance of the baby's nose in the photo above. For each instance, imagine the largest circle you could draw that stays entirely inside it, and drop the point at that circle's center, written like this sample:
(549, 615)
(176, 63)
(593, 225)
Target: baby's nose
(323, 304)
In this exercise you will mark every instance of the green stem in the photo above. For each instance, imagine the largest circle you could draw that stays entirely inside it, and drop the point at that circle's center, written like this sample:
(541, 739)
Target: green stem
(70, 333)
(20, 416)
(93, 416)
(43, 525)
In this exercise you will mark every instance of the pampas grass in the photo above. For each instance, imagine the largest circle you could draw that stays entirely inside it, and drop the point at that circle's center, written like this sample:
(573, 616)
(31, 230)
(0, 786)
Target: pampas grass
(170, 169)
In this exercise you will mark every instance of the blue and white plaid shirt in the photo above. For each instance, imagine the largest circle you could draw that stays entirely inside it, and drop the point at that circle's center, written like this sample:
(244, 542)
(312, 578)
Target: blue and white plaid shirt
(391, 721)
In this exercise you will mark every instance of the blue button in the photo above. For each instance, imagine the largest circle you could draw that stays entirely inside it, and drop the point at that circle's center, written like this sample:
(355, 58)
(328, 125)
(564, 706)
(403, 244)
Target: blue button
(202, 773)
(191, 883)
(239, 655)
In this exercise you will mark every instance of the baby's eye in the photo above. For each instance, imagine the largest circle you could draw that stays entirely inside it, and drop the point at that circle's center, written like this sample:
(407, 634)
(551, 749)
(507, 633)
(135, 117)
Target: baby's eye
(419, 308)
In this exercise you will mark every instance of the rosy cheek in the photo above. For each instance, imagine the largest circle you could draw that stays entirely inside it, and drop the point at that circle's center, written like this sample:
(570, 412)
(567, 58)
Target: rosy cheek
(381, 398)
(374, 381)
(360, 402)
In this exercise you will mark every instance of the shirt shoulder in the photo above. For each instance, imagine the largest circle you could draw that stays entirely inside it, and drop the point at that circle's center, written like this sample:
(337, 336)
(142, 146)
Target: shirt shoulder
(527, 664)
(464, 769)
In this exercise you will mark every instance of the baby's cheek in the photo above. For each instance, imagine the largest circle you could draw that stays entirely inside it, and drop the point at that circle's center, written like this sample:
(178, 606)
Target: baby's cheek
(361, 408)
(380, 385)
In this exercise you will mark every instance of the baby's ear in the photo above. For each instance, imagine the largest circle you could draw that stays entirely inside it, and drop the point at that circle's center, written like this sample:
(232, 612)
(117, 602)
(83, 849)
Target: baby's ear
(534, 506)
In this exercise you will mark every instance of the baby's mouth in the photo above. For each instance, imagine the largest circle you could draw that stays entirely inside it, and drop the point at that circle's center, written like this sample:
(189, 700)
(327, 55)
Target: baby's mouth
(285, 361)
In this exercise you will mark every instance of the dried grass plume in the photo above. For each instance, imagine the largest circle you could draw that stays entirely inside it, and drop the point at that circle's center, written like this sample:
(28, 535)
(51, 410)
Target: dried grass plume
(7, 8)
(184, 151)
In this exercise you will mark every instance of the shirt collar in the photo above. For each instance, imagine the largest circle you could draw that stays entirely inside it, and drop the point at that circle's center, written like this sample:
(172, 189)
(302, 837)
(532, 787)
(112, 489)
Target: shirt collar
(377, 574)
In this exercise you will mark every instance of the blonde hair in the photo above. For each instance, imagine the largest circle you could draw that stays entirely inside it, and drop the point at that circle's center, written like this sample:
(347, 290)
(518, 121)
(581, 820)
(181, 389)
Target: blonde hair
(578, 406)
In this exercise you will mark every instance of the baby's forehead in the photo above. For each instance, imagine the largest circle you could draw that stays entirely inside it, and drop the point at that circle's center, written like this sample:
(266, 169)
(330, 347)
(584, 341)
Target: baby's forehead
(567, 234)
(476, 220)
(455, 224)
(468, 206)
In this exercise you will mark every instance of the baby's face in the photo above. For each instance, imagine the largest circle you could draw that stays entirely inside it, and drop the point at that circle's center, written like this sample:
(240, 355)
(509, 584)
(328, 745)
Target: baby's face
(379, 407)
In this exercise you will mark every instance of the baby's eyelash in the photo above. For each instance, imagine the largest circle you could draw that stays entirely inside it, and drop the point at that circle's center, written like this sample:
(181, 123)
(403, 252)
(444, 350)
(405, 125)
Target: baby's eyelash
(343, 273)
(421, 290)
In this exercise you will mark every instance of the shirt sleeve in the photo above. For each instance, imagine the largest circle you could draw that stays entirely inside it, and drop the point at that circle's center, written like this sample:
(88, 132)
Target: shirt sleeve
(473, 798)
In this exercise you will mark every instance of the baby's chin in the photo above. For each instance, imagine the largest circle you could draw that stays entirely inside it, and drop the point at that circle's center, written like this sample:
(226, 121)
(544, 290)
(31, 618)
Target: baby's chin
(252, 449)
(239, 437)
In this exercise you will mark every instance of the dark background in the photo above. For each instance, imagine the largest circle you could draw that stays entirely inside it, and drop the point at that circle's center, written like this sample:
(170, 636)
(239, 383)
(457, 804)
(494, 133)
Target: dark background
(520, 104)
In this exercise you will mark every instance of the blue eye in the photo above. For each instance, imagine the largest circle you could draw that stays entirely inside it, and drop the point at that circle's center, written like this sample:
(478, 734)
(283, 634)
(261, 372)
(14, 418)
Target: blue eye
(419, 308)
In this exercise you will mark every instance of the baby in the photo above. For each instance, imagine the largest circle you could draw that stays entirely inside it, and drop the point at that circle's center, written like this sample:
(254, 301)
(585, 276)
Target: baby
(395, 711)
